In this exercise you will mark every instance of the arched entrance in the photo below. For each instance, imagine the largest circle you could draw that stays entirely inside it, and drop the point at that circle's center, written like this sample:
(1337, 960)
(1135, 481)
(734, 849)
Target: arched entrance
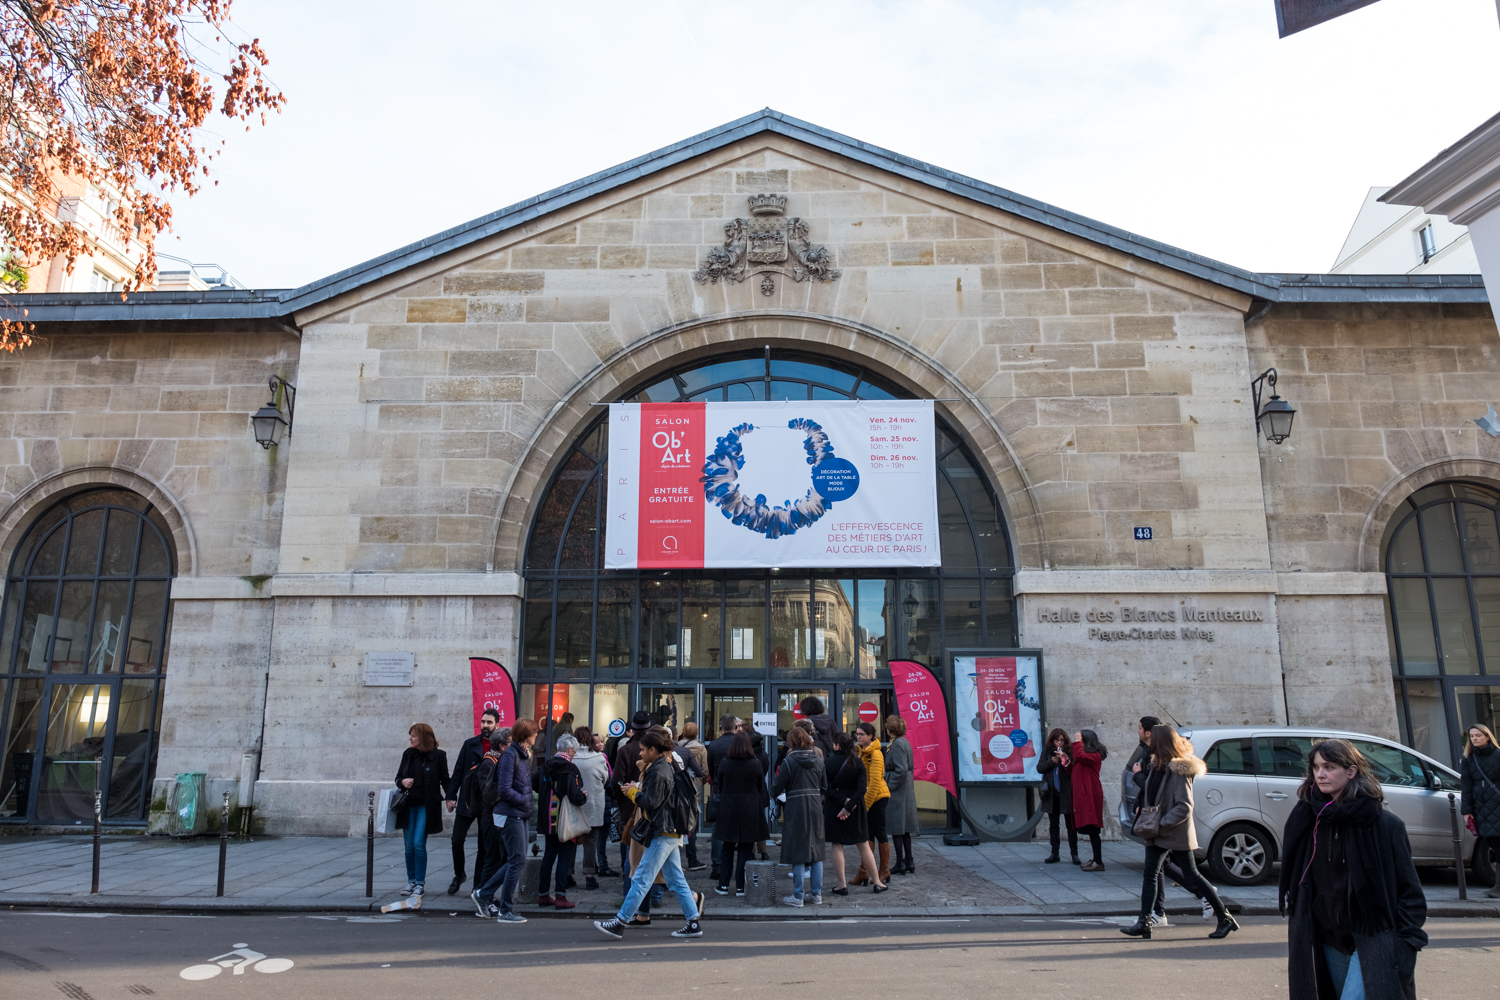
(82, 653)
(695, 645)
(1441, 556)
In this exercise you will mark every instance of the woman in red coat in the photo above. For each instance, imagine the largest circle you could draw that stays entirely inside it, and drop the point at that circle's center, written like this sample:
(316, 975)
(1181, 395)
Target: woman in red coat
(1088, 793)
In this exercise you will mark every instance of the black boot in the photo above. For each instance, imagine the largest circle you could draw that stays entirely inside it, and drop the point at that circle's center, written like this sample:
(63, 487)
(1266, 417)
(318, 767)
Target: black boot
(1226, 924)
(1075, 858)
(1141, 929)
(1053, 858)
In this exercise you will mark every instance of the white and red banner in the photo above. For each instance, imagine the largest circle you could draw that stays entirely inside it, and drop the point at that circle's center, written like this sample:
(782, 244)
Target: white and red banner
(795, 483)
(492, 688)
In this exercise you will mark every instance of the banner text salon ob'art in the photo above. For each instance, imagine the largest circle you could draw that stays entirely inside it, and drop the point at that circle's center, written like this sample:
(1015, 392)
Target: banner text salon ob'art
(798, 483)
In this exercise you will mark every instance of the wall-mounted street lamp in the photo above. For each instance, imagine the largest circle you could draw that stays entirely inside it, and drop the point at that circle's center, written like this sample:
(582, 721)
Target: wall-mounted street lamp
(1274, 420)
(270, 426)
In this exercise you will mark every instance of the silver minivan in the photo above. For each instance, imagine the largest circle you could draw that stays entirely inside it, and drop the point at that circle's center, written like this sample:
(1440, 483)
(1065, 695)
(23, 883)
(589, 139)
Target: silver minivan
(1241, 805)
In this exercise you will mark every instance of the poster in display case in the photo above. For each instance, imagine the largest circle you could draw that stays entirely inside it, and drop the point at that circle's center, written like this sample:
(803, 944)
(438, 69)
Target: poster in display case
(998, 708)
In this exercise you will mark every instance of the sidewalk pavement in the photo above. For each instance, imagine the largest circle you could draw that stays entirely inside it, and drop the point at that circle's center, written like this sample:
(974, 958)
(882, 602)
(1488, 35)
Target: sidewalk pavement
(328, 875)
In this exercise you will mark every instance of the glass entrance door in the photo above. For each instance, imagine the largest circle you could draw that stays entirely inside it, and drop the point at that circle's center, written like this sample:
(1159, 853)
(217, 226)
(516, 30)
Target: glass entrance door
(674, 707)
(741, 701)
(75, 734)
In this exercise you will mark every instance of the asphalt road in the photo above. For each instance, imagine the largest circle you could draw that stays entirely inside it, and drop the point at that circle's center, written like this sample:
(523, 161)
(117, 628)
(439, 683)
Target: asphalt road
(104, 957)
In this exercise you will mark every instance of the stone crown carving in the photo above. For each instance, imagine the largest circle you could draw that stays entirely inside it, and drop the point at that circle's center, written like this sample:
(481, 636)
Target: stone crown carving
(762, 243)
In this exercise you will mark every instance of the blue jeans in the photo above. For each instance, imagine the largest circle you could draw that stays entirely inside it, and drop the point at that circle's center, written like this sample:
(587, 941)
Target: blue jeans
(415, 836)
(662, 856)
(513, 838)
(1344, 971)
(814, 881)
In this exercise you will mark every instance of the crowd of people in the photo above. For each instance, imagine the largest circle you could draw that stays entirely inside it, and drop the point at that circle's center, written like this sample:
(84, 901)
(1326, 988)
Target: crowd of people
(1348, 885)
(647, 791)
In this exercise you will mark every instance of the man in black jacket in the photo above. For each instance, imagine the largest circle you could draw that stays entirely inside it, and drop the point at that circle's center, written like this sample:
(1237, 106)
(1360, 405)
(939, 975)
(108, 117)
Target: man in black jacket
(717, 751)
(823, 725)
(469, 755)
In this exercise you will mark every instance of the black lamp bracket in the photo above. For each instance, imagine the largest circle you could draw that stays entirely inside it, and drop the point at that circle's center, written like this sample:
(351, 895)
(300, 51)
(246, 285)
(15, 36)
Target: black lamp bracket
(289, 393)
(1266, 378)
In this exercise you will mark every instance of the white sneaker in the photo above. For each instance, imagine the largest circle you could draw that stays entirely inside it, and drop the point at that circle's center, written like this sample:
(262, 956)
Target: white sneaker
(418, 889)
(1208, 910)
(811, 900)
(410, 887)
(1159, 920)
(791, 900)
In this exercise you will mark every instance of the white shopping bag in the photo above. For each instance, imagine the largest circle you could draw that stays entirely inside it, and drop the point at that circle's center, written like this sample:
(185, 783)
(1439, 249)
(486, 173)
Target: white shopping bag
(385, 819)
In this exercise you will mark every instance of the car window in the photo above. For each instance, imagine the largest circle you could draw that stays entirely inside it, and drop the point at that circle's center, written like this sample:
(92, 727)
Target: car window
(1451, 782)
(1230, 757)
(1284, 756)
(1392, 766)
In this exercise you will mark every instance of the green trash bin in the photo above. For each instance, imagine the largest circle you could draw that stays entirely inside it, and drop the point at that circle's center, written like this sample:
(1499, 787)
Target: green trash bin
(189, 817)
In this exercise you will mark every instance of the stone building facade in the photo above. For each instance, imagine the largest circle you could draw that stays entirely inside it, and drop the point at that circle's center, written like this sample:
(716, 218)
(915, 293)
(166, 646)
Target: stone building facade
(1093, 383)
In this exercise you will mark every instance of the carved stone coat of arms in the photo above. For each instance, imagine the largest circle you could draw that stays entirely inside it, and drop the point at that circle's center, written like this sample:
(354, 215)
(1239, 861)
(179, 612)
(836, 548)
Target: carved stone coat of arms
(763, 244)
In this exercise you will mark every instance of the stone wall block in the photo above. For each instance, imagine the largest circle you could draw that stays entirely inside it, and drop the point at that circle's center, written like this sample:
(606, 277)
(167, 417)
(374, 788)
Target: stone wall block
(1159, 381)
(544, 258)
(437, 310)
(472, 389)
(1076, 329)
(911, 254)
(1109, 438)
(489, 362)
(1042, 303)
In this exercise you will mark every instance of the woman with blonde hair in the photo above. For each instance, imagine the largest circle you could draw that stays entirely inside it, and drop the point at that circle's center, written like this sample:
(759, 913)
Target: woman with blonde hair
(900, 778)
(1479, 773)
(877, 802)
(1348, 885)
(1165, 823)
(422, 775)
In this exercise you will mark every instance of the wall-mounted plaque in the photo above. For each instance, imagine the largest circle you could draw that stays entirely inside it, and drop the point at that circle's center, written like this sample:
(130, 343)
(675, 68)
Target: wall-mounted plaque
(390, 669)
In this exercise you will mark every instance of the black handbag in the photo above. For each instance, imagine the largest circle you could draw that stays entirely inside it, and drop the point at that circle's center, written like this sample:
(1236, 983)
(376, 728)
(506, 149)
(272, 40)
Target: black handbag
(398, 801)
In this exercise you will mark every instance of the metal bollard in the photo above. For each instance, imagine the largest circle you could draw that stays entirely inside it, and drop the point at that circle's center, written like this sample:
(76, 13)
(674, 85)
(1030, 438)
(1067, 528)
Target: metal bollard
(1458, 847)
(370, 851)
(94, 884)
(223, 844)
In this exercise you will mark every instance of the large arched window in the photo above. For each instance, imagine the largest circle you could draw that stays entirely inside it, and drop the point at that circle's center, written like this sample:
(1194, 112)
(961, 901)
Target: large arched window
(82, 652)
(583, 623)
(1442, 563)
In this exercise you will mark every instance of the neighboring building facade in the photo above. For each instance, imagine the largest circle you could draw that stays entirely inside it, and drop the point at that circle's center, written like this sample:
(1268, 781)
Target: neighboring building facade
(112, 254)
(441, 490)
(1398, 239)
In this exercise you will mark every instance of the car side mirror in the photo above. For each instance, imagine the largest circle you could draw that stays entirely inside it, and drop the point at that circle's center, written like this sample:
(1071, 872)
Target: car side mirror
(1434, 782)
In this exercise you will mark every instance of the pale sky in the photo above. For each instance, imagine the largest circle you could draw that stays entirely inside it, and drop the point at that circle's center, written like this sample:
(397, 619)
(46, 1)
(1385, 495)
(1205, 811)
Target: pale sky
(1187, 121)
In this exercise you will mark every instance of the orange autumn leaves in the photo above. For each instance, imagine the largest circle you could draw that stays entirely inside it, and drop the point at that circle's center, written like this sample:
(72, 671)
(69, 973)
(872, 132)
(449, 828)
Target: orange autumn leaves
(116, 93)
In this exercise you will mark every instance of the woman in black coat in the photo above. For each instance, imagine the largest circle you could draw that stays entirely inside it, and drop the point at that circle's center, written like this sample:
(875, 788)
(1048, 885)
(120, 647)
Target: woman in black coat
(1056, 771)
(741, 781)
(844, 818)
(423, 775)
(1479, 771)
(1348, 882)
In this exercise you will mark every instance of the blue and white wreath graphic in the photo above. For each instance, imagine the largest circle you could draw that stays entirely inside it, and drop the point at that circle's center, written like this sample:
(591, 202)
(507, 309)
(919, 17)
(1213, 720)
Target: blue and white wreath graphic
(833, 479)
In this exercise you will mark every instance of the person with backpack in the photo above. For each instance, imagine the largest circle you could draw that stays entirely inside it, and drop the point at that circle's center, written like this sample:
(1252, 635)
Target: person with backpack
(690, 747)
(513, 807)
(469, 755)
(480, 791)
(667, 807)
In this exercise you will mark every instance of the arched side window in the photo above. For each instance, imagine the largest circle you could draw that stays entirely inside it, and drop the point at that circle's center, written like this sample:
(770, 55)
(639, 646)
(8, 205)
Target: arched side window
(1442, 563)
(82, 654)
(582, 622)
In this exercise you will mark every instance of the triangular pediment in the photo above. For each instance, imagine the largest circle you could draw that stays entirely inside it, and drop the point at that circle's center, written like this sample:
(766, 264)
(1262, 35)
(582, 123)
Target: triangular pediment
(851, 195)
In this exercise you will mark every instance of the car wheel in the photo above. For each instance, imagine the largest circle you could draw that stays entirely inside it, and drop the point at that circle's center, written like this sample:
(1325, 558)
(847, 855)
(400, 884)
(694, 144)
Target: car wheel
(1241, 854)
(1482, 866)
